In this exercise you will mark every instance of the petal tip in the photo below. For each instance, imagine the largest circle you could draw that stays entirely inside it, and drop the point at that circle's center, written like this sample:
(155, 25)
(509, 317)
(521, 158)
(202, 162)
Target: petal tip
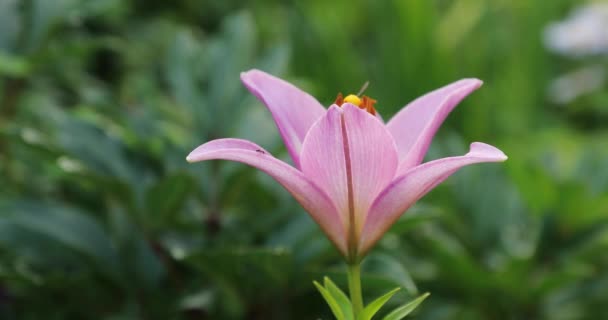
(478, 83)
(473, 83)
(335, 108)
(483, 150)
(347, 106)
(350, 108)
(249, 77)
(247, 74)
(191, 157)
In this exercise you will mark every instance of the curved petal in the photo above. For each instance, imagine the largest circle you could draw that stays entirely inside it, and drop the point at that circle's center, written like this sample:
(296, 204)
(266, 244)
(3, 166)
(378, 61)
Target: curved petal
(312, 198)
(294, 111)
(352, 157)
(415, 125)
(405, 190)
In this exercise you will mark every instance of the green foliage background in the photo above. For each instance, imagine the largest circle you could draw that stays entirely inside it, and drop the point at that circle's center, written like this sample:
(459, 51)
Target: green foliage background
(102, 218)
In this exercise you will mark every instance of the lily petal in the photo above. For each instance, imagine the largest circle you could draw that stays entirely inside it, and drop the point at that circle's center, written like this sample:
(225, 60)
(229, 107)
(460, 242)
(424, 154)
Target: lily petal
(415, 125)
(352, 157)
(405, 190)
(311, 197)
(294, 111)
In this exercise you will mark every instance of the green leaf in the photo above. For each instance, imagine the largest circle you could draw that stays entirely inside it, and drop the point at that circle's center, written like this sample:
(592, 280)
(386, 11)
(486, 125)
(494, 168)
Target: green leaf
(14, 65)
(10, 24)
(167, 197)
(333, 304)
(237, 45)
(71, 228)
(107, 157)
(182, 64)
(371, 309)
(390, 268)
(340, 297)
(43, 15)
(137, 256)
(230, 269)
(405, 309)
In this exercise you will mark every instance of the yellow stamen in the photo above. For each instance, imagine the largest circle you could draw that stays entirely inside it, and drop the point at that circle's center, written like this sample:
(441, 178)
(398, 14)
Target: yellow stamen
(366, 103)
(351, 98)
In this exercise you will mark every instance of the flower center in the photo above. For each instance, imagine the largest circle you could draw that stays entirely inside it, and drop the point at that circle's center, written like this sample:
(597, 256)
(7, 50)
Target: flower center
(366, 103)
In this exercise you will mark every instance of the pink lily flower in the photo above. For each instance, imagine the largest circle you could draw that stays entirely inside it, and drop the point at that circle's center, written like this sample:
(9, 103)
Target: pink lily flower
(354, 174)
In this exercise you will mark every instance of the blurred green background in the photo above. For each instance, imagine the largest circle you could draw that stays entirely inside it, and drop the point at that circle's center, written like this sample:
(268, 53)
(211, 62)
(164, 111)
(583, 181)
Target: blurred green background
(102, 218)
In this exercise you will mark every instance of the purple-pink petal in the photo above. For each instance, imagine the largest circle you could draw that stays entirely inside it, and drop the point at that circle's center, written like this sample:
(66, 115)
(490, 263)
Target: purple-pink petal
(415, 125)
(407, 188)
(294, 111)
(352, 157)
(311, 197)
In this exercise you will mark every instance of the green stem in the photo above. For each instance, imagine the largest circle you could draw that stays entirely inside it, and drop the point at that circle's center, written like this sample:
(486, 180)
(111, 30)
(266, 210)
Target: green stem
(354, 287)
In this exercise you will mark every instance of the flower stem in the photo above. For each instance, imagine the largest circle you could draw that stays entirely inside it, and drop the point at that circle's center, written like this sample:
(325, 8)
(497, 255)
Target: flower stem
(354, 287)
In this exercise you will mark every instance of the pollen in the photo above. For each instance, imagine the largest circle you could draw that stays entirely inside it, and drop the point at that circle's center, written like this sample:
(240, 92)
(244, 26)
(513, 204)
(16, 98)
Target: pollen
(351, 98)
(366, 103)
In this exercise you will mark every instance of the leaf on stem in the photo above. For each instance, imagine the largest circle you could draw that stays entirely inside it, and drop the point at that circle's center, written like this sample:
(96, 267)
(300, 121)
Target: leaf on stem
(402, 311)
(340, 297)
(371, 309)
(333, 304)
